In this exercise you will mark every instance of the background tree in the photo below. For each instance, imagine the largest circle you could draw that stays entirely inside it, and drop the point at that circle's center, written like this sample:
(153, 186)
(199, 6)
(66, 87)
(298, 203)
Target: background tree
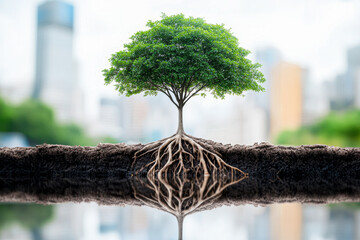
(182, 57)
(337, 129)
(37, 122)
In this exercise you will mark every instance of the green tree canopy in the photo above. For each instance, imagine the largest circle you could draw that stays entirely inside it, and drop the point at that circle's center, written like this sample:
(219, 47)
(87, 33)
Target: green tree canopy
(6, 115)
(181, 57)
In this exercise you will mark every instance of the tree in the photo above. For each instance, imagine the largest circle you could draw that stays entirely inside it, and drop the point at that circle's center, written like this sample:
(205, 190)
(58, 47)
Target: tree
(182, 57)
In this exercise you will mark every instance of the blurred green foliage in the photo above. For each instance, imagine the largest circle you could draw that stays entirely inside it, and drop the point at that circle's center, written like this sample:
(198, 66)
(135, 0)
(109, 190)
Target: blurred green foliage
(28, 215)
(336, 129)
(37, 122)
(340, 129)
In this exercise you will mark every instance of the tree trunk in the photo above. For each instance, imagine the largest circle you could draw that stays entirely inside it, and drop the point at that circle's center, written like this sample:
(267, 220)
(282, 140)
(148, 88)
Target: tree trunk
(180, 129)
(56, 173)
(180, 220)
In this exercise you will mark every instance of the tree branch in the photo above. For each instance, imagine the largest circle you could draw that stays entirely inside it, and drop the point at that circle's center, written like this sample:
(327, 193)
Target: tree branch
(191, 95)
(186, 92)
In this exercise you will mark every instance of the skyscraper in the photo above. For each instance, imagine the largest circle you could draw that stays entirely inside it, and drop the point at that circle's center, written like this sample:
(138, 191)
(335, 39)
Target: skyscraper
(268, 57)
(345, 89)
(353, 59)
(357, 88)
(315, 102)
(55, 81)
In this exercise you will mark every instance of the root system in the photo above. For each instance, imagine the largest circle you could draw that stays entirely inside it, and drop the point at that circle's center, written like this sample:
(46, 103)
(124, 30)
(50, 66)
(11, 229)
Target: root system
(182, 155)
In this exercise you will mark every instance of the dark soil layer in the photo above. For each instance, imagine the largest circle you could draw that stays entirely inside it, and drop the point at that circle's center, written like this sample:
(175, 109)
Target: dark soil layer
(55, 173)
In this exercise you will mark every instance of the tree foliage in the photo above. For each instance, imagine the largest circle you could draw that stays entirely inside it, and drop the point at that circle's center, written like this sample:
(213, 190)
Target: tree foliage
(338, 129)
(182, 57)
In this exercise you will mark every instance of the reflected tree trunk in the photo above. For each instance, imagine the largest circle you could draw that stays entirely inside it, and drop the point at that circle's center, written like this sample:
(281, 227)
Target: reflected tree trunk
(180, 221)
(36, 233)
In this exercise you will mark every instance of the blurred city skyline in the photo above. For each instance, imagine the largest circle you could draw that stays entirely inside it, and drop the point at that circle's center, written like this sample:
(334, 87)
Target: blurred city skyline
(310, 51)
(313, 34)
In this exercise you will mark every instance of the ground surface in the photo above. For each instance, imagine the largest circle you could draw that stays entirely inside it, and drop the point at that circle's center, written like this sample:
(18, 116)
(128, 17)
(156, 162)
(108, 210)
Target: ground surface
(55, 173)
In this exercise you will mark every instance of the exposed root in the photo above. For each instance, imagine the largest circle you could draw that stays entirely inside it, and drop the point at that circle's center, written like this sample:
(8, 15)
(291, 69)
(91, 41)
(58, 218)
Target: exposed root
(184, 177)
(181, 155)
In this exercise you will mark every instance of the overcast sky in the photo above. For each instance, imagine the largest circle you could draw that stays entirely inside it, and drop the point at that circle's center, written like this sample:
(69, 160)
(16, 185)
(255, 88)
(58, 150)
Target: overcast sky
(312, 33)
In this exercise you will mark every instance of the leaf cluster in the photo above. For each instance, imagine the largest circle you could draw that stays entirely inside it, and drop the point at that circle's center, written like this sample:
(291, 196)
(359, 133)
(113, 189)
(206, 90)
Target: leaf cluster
(182, 57)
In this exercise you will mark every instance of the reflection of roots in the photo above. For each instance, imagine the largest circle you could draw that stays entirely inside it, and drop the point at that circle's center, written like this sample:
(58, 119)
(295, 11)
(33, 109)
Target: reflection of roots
(184, 177)
(181, 196)
(182, 155)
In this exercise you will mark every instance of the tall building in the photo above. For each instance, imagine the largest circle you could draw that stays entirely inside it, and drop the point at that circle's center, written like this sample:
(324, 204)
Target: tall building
(286, 108)
(286, 98)
(353, 59)
(315, 101)
(268, 57)
(342, 92)
(345, 89)
(357, 88)
(55, 80)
